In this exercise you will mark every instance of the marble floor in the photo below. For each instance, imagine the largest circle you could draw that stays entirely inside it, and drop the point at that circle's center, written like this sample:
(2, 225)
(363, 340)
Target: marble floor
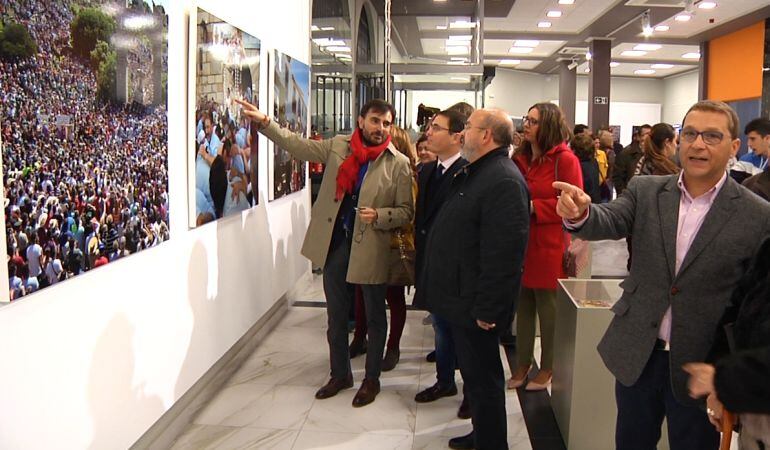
(269, 403)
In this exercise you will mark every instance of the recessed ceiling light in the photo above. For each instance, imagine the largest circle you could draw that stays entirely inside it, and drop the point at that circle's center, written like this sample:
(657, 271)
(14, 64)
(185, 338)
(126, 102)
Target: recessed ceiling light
(461, 38)
(459, 78)
(525, 43)
(644, 72)
(510, 62)
(327, 28)
(707, 5)
(588, 70)
(314, 28)
(662, 66)
(326, 42)
(544, 24)
(691, 55)
(633, 53)
(341, 48)
(566, 2)
(462, 24)
(662, 28)
(520, 50)
(441, 27)
(456, 50)
(614, 64)
(647, 47)
(554, 13)
(683, 17)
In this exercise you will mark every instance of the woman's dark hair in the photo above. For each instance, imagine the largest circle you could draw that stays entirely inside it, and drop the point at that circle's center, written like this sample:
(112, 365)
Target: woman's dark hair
(653, 146)
(553, 129)
(423, 137)
(583, 146)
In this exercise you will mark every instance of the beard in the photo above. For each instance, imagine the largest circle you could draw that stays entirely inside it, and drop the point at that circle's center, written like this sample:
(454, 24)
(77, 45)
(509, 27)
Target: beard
(372, 140)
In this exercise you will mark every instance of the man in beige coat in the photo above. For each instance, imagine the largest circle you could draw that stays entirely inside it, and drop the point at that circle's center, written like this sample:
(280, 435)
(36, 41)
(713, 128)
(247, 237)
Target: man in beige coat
(365, 193)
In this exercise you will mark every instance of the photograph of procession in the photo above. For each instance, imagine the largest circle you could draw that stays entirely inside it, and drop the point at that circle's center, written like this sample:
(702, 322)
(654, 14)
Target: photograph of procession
(291, 100)
(84, 135)
(225, 145)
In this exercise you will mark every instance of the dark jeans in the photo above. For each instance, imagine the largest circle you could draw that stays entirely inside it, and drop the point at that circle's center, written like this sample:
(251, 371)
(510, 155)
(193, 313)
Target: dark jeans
(641, 409)
(446, 357)
(478, 355)
(339, 299)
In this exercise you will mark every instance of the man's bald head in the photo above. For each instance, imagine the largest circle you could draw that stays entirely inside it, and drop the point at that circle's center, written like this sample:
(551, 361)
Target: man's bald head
(499, 124)
(486, 130)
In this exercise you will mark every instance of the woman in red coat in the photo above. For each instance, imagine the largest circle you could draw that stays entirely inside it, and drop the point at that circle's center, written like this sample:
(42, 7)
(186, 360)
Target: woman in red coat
(543, 158)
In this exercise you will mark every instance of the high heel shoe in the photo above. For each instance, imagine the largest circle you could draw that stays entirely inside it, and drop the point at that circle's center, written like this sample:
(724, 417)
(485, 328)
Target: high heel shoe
(541, 381)
(518, 378)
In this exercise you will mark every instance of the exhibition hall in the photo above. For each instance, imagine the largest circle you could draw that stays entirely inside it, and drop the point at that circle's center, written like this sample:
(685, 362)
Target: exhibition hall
(385, 224)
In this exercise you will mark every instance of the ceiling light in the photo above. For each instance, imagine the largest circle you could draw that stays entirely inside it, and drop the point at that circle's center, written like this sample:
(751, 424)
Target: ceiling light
(525, 43)
(566, 2)
(327, 28)
(510, 62)
(662, 28)
(647, 47)
(455, 50)
(707, 5)
(458, 58)
(520, 50)
(646, 27)
(589, 56)
(614, 64)
(439, 1)
(462, 24)
(554, 13)
(588, 70)
(325, 42)
(691, 55)
(644, 72)
(544, 24)
(340, 48)
(683, 17)
(662, 66)
(456, 63)
(461, 38)
(314, 28)
(441, 27)
(633, 53)
(459, 79)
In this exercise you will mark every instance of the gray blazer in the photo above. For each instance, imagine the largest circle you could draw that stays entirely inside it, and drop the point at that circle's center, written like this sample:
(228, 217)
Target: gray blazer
(698, 295)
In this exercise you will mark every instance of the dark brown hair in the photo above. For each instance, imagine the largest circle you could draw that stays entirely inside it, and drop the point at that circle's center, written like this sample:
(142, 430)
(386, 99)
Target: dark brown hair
(583, 146)
(653, 146)
(553, 129)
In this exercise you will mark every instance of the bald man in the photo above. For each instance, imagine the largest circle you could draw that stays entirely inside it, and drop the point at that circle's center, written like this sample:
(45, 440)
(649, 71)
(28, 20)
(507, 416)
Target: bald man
(472, 268)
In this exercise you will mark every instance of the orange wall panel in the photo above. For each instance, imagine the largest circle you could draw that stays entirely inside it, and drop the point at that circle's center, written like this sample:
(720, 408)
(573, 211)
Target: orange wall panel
(735, 64)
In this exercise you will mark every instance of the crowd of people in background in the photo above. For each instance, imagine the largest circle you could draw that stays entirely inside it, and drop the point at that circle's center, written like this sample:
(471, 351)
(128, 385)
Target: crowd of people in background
(85, 181)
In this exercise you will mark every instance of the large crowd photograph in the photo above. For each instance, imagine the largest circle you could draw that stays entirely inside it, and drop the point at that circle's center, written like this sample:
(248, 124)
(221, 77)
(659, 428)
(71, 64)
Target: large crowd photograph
(291, 100)
(84, 135)
(224, 150)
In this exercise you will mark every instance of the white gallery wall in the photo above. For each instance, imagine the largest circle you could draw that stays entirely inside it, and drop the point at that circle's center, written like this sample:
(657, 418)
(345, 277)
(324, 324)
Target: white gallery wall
(94, 362)
(680, 92)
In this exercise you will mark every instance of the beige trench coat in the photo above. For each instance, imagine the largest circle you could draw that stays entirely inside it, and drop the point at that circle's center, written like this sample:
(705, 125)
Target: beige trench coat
(387, 187)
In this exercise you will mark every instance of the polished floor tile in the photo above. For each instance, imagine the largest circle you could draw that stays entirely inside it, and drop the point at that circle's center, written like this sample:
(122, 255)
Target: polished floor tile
(209, 437)
(323, 440)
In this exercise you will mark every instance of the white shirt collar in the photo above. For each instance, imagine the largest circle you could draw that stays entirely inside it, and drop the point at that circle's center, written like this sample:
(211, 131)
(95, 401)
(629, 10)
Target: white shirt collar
(447, 163)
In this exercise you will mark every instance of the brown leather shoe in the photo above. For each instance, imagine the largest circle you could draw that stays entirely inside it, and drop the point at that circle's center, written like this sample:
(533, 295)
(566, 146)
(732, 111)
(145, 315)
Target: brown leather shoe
(367, 392)
(334, 386)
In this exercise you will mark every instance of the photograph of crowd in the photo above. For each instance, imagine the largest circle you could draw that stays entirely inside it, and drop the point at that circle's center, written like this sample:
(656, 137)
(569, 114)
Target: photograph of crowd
(84, 135)
(225, 147)
(291, 99)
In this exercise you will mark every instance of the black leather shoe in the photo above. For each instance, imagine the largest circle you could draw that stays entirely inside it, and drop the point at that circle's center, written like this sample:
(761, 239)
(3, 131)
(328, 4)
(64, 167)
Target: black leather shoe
(334, 385)
(465, 409)
(434, 393)
(431, 357)
(366, 393)
(357, 348)
(391, 359)
(463, 442)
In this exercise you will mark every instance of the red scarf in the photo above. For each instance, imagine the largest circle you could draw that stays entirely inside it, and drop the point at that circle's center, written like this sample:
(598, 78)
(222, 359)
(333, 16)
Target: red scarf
(348, 171)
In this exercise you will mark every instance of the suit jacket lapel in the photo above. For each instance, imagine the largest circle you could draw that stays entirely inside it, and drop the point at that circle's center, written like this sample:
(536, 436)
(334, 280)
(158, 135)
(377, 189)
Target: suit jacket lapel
(668, 208)
(425, 175)
(716, 219)
(437, 198)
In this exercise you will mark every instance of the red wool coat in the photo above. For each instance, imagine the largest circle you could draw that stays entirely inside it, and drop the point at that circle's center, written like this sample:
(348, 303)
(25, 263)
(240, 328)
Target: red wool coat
(547, 240)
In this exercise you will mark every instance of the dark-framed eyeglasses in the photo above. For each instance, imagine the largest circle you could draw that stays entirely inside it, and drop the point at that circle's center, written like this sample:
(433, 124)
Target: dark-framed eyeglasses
(710, 137)
(436, 128)
(530, 120)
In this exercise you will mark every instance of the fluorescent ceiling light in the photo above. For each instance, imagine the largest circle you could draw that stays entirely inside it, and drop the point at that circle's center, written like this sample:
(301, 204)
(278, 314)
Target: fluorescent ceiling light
(544, 24)
(525, 43)
(662, 28)
(691, 55)
(465, 37)
(614, 64)
(566, 2)
(707, 5)
(520, 50)
(441, 27)
(648, 47)
(458, 58)
(314, 28)
(644, 72)
(462, 24)
(326, 42)
(327, 28)
(662, 66)
(554, 13)
(459, 78)
(340, 48)
(633, 53)
(510, 62)
(683, 17)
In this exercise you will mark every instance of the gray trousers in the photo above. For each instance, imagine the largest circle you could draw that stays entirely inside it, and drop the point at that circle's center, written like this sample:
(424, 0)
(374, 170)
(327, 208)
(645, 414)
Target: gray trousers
(339, 300)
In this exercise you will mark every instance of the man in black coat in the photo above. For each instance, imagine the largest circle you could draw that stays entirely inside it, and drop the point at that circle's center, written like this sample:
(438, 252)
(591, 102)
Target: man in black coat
(471, 274)
(434, 181)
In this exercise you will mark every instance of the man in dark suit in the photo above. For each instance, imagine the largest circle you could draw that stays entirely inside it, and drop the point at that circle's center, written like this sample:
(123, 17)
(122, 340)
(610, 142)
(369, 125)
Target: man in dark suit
(435, 179)
(472, 269)
(695, 234)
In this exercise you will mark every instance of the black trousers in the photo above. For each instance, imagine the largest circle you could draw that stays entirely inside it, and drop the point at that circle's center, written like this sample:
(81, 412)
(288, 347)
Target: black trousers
(478, 354)
(641, 409)
(339, 300)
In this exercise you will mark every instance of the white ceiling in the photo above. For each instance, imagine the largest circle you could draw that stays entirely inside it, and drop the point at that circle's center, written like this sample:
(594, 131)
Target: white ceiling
(501, 47)
(523, 65)
(725, 11)
(526, 14)
(627, 70)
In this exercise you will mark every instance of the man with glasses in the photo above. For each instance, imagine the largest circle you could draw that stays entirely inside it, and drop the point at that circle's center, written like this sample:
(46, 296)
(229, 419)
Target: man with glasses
(365, 193)
(435, 179)
(688, 257)
(472, 268)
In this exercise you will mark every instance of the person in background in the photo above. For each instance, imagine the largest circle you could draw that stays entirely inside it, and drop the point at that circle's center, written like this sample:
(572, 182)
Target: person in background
(625, 161)
(583, 146)
(543, 158)
(658, 149)
(758, 133)
(424, 155)
(606, 144)
(582, 129)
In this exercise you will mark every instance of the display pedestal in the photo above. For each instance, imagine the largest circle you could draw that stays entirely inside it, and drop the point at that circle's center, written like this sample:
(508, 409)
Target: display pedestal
(583, 390)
